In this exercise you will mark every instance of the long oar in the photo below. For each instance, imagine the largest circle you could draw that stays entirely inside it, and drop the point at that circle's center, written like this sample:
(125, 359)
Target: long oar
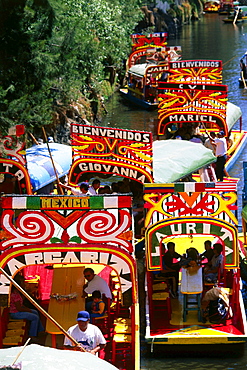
(243, 79)
(236, 16)
(53, 164)
(46, 314)
(19, 353)
(229, 60)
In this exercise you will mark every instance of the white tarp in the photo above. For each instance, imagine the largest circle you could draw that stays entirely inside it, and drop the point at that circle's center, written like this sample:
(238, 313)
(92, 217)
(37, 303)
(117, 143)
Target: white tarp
(39, 357)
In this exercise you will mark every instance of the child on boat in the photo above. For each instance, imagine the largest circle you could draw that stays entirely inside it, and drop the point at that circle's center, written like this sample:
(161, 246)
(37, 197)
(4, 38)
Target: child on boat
(97, 308)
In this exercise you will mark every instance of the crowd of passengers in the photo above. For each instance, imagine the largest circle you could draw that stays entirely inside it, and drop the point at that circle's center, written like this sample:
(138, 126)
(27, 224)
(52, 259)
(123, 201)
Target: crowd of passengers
(211, 260)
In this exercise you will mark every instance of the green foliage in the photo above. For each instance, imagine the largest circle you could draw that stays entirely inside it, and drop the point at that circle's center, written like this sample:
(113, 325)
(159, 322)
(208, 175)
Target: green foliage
(54, 50)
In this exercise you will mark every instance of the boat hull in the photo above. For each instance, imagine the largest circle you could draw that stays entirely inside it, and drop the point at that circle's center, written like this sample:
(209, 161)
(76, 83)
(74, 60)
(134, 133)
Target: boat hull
(241, 83)
(125, 93)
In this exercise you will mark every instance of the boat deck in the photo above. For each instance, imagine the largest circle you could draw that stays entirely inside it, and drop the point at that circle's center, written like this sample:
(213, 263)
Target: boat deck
(161, 325)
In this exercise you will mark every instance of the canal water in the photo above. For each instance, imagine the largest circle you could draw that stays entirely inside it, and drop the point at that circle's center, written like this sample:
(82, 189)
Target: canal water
(208, 38)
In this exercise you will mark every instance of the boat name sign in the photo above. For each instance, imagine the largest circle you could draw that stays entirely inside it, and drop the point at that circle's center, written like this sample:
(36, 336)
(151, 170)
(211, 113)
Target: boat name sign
(196, 63)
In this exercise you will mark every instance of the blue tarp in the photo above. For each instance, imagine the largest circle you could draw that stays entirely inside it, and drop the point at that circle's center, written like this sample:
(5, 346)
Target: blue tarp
(40, 166)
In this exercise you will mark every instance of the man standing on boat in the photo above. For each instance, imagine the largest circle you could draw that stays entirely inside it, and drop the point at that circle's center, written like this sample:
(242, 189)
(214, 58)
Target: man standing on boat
(95, 282)
(220, 152)
(87, 335)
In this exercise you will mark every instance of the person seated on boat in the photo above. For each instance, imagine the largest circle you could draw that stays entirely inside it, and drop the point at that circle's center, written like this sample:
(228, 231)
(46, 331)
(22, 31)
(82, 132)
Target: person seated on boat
(196, 139)
(208, 252)
(212, 268)
(170, 268)
(83, 190)
(191, 260)
(95, 282)
(87, 335)
(97, 308)
(19, 311)
(114, 188)
(92, 190)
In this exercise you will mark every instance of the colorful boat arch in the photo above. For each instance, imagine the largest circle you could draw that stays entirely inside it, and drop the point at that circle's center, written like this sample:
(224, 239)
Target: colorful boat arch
(225, 231)
(51, 254)
(17, 170)
(40, 232)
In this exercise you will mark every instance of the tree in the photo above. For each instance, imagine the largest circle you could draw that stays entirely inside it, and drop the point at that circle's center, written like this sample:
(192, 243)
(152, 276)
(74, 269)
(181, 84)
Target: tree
(55, 50)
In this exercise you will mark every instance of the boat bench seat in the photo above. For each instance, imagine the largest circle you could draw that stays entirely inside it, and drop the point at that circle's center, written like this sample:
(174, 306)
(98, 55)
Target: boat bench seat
(16, 333)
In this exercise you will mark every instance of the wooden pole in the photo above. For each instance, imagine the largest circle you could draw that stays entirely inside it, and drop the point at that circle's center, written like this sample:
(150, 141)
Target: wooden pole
(229, 60)
(36, 142)
(46, 314)
(53, 164)
(243, 79)
(18, 355)
(236, 16)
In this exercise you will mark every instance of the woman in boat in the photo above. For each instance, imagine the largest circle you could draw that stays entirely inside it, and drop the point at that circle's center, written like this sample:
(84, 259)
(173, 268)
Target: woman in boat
(19, 311)
(192, 260)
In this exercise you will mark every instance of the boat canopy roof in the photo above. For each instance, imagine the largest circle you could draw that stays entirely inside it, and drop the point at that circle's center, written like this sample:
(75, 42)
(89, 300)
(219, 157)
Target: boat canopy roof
(212, 2)
(233, 113)
(139, 69)
(175, 159)
(40, 166)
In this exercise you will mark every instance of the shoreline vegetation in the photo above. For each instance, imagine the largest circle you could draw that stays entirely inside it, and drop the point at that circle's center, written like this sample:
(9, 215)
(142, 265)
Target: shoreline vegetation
(61, 61)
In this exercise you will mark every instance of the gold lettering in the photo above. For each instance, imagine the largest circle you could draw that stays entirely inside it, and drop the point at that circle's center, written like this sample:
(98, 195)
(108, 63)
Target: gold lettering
(45, 202)
(76, 203)
(63, 202)
(84, 202)
(55, 203)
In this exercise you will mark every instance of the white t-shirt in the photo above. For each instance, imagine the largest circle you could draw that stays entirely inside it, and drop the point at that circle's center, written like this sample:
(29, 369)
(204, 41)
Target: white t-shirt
(98, 284)
(209, 145)
(76, 191)
(89, 339)
(91, 190)
(221, 146)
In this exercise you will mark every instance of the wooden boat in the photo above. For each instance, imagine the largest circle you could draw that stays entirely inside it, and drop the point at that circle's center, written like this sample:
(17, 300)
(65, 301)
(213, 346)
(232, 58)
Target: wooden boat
(226, 6)
(67, 238)
(180, 213)
(193, 94)
(142, 88)
(211, 6)
(237, 15)
(243, 72)
(146, 65)
(70, 233)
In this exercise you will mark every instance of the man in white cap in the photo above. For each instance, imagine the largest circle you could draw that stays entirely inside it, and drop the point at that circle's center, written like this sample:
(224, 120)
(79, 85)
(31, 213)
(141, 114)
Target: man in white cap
(87, 335)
